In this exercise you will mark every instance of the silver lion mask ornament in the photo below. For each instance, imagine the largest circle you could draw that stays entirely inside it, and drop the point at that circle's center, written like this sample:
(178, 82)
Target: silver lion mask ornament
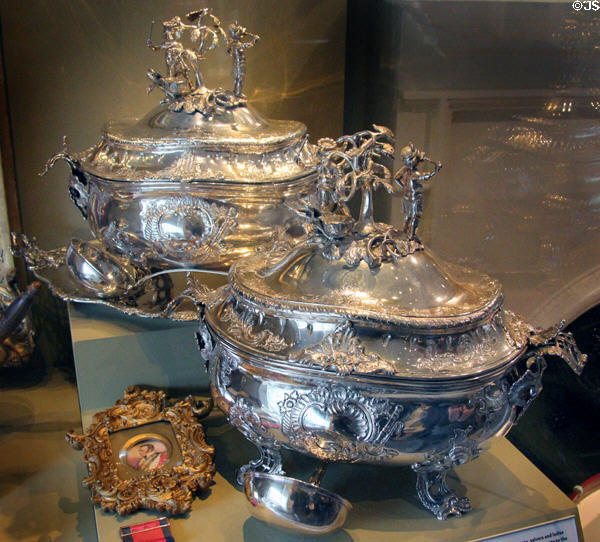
(359, 345)
(201, 179)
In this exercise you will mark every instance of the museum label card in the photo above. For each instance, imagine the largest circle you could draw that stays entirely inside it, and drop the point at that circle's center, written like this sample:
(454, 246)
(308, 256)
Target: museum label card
(563, 530)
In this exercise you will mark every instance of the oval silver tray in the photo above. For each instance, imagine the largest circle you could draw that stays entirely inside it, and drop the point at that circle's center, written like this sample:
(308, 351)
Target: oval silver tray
(163, 295)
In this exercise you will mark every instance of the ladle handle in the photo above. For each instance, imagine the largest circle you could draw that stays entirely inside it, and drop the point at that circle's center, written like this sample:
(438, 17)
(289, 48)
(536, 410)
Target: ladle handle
(318, 474)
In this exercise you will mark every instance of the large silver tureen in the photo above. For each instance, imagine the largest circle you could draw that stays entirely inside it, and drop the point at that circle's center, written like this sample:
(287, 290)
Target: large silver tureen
(200, 180)
(360, 345)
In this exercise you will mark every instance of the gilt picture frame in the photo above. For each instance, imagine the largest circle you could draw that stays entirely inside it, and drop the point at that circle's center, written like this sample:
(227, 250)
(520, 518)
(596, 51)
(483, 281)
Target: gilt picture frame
(145, 452)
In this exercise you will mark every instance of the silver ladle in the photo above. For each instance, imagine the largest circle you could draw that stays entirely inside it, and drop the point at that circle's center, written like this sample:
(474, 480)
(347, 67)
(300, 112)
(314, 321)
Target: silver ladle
(292, 504)
(109, 275)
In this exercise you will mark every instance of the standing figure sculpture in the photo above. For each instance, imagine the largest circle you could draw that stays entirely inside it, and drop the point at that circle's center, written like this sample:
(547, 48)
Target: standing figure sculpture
(180, 62)
(236, 48)
(411, 182)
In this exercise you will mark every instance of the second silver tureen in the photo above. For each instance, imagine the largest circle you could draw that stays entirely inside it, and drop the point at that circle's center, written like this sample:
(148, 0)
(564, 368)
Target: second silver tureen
(200, 180)
(360, 345)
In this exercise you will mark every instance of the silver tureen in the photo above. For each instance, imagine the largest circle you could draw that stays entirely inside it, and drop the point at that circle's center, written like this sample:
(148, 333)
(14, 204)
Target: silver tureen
(200, 180)
(360, 345)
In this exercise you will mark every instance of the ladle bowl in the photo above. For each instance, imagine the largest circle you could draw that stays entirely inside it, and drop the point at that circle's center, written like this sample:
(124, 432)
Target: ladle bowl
(294, 505)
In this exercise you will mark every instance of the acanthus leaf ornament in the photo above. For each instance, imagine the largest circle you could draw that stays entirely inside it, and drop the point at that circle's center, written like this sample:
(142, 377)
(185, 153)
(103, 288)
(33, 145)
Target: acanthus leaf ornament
(242, 327)
(342, 352)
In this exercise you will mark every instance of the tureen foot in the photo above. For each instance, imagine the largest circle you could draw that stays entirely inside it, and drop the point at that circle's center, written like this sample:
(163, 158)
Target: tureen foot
(436, 496)
(433, 492)
(269, 461)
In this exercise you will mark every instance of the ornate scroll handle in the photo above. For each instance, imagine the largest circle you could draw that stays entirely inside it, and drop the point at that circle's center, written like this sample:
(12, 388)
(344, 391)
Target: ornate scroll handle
(554, 342)
(548, 342)
(78, 183)
(34, 256)
(199, 294)
(522, 392)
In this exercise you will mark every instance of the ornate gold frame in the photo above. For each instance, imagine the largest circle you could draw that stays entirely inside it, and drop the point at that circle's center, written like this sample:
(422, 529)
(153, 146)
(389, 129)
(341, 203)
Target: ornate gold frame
(166, 489)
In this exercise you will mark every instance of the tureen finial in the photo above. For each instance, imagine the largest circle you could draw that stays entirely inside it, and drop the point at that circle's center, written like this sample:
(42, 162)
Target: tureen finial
(183, 73)
(353, 163)
(183, 83)
(411, 182)
(236, 48)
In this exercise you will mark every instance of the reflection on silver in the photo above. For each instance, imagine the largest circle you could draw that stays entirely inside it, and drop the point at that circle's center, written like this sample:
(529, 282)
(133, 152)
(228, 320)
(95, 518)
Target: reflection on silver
(302, 507)
(387, 354)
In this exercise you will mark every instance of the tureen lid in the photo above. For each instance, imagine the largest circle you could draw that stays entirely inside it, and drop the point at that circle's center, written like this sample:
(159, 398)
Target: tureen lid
(418, 292)
(197, 133)
(361, 270)
(360, 298)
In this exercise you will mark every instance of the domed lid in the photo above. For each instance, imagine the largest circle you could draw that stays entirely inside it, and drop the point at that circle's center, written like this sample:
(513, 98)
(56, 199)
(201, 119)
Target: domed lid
(417, 291)
(199, 133)
(360, 270)
(357, 297)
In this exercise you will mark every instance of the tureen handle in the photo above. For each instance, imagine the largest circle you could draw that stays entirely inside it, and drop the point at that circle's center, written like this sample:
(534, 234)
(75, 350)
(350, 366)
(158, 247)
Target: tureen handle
(555, 342)
(36, 258)
(542, 343)
(78, 183)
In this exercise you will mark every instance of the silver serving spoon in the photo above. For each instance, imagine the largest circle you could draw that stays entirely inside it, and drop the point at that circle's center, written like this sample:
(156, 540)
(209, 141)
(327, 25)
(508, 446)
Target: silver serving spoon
(292, 504)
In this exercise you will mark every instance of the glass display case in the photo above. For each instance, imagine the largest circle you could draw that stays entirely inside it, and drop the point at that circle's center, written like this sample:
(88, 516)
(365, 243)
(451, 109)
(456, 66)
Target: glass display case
(506, 95)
